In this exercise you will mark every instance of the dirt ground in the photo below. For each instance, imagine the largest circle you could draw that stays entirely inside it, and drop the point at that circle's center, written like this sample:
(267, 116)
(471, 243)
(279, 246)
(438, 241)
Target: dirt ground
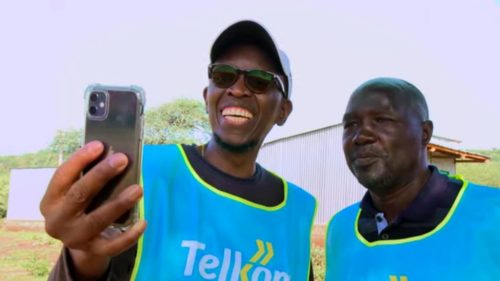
(26, 252)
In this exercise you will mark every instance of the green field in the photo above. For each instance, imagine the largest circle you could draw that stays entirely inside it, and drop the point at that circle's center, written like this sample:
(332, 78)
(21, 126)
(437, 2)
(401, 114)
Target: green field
(482, 173)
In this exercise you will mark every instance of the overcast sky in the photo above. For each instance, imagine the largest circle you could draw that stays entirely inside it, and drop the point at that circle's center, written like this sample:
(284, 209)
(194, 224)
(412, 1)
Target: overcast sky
(51, 50)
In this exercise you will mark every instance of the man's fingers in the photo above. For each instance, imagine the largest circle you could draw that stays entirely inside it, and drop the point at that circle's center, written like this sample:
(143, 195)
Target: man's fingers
(96, 224)
(83, 190)
(70, 170)
(105, 215)
(116, 245)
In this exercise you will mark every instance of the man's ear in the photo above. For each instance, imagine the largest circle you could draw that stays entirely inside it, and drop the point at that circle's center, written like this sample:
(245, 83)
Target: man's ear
(427, 128)
(286, 108)
(205, 92)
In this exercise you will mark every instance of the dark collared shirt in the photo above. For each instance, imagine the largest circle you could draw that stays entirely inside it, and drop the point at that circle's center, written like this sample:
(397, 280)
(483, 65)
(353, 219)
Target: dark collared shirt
(426, 211)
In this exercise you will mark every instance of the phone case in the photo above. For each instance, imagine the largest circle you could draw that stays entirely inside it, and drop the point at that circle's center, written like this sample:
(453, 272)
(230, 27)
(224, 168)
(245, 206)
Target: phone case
(114, 116)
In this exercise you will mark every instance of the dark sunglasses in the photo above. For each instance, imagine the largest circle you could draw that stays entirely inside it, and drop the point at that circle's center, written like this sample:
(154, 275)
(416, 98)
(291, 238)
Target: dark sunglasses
(256, 80)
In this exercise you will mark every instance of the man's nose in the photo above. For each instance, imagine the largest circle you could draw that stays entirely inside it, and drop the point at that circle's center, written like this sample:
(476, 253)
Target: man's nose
(239, 88)
(365, 134)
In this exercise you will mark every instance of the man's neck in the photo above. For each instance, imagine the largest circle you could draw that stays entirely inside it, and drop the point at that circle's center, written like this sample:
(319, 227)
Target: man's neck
(236, 164)
(393, 203)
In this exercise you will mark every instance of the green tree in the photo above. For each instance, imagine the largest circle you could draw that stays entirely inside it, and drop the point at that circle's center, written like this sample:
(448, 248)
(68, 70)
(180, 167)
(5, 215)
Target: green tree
(180, 121)
(66, 142)
(4, 190)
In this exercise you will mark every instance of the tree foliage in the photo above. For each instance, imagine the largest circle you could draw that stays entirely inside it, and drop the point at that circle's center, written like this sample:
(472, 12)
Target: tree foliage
(4, 192)
(181, 121)
(66, 142)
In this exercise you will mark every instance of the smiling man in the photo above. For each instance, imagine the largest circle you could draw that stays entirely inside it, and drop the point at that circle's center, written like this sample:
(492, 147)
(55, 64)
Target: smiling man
(213, 213)
(413, 223)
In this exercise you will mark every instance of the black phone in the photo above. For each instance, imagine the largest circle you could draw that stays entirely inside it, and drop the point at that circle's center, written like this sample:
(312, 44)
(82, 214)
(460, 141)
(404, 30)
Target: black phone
(114, 116)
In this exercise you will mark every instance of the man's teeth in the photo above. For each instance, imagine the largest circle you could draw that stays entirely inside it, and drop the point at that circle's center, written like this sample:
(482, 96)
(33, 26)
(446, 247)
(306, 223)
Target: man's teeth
(237, 112)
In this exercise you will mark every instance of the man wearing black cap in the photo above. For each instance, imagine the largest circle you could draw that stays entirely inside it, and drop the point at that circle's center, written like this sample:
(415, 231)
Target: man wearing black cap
(212, 211)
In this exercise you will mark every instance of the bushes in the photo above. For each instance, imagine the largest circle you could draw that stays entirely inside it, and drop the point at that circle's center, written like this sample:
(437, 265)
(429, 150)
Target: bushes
(4, 192)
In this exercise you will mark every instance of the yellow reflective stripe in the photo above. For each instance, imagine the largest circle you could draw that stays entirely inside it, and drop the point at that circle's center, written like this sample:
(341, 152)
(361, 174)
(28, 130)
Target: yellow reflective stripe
(327, 250)
(260, 251)
(231, 196)
(360, 237)
(395, 278)
(269, 255)
(138, 254)
(244, 272)
(310, 237)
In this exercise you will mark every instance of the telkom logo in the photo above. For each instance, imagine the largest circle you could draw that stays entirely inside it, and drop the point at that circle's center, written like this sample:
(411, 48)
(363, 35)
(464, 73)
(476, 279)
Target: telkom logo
(229, 267)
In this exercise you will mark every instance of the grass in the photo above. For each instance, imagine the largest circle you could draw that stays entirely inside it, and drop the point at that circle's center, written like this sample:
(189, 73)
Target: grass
(483, 173)
(26, 254)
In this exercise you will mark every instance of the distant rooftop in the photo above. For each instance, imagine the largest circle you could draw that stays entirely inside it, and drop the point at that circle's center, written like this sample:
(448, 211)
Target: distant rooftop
(438, 147)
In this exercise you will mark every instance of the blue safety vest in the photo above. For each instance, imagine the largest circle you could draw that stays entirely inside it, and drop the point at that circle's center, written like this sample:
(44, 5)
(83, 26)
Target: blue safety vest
(197, 232)
(464, 246)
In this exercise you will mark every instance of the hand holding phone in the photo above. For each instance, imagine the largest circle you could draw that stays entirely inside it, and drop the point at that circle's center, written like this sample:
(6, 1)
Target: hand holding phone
(90, 241)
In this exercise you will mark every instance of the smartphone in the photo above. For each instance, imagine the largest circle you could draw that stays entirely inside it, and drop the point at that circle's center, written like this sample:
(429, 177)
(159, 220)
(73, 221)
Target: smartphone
(114, 116)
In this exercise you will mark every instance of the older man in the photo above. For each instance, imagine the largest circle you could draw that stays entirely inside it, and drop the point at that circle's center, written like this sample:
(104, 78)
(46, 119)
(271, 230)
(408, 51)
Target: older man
(413, 223)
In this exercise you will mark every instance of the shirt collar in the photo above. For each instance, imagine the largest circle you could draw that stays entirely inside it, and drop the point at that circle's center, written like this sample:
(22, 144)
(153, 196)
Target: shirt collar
(423, 206)
(429, 197)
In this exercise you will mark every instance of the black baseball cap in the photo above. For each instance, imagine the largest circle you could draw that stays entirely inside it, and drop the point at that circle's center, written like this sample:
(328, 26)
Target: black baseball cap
(252, 33)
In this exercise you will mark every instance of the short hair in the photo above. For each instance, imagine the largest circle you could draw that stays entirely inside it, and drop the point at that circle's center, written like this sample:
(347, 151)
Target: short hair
(411, 95)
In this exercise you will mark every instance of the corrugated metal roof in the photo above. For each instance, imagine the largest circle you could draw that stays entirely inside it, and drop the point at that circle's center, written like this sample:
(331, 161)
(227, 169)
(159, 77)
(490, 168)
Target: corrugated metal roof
(315, 161)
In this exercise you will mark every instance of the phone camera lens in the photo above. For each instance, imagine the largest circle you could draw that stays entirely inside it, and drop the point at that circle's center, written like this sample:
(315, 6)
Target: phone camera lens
(93, 110)
(93, 97)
